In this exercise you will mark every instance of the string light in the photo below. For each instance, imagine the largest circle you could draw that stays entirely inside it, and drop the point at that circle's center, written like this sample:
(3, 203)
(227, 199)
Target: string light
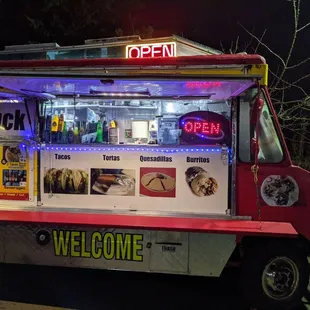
(129, 149)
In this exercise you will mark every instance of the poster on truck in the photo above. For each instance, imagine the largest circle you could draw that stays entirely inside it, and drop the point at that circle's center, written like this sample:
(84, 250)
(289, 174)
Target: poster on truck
(14, 173)
(17, 119)
(143, 179)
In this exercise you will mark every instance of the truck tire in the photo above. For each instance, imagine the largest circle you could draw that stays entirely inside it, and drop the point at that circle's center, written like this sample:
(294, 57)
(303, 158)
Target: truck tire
(274, 276)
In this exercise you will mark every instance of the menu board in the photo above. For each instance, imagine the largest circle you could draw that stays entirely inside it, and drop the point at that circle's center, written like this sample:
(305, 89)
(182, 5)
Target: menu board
(14, 173)
(180, 180)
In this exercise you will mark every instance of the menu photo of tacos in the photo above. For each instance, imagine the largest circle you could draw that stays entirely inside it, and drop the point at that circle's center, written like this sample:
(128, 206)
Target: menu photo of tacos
(66, 181)
(115, 182)
(158, 182)
(200, 182)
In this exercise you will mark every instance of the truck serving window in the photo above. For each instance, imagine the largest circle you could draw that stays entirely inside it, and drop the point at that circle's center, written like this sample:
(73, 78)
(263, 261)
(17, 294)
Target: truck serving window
(162, 122)
(270, 150)
(156, 112)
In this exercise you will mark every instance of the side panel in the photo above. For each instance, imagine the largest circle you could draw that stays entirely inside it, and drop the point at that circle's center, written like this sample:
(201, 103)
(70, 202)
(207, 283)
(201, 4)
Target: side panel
(169, 252)
(133, 250)
(209, 253)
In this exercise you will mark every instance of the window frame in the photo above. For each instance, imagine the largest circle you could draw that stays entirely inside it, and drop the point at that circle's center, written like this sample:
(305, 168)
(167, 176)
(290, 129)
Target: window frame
(276, 126)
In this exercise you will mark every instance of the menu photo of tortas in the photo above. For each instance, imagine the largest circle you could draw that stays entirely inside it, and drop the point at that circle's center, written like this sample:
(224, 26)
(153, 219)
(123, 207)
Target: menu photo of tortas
(66, 181)
(158, 182)
(200, 182)
(117, 182)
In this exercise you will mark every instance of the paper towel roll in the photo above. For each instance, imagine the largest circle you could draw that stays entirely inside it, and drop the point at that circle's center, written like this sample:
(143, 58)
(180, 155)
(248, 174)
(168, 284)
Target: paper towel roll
(140, 129)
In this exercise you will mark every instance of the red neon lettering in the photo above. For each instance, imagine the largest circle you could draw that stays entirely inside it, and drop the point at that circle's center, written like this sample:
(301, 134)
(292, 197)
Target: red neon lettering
(215, 129)
(168, 51)
(207, 128)
(151, 50)
(156, 51)
(197, 127)
(202, 84)
(188, 127)
(134, 52)
(145, 51)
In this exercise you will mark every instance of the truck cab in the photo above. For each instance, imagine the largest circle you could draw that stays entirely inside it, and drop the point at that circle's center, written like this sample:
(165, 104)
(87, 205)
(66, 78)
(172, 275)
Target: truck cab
(153, 162)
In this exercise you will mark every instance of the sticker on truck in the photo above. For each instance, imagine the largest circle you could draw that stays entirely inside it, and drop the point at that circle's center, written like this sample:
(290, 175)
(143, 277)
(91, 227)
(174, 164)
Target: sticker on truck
(98, 245)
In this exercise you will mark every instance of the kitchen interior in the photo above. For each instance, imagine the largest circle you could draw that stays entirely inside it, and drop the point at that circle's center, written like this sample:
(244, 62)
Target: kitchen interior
(129, 122)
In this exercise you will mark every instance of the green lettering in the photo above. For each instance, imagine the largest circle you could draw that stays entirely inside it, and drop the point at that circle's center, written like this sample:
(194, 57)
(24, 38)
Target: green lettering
(123, 249)
(96, 251)
(75, 243)
(108, 246)
(61, 243)
(137, 247)
(84, 252)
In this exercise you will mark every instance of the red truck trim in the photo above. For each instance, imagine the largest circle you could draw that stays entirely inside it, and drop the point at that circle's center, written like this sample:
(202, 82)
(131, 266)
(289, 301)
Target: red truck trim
(176, 61)
(238, 227)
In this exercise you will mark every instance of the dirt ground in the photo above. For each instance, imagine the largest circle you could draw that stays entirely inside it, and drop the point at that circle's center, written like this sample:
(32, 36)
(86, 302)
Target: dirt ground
(96, 289)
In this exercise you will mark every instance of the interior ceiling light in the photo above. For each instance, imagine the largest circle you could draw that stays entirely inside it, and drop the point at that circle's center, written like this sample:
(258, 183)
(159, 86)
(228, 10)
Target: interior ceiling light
(9, 100)
(120, 94)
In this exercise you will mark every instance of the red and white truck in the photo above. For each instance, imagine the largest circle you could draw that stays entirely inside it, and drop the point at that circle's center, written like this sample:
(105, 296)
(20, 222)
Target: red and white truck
(158, 163)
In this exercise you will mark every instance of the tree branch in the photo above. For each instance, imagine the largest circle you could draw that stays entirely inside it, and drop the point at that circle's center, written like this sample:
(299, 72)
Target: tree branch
(303, 27)
(263, 44)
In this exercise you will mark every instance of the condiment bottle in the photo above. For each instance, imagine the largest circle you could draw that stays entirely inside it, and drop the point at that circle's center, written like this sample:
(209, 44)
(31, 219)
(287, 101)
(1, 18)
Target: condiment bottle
(99, 133)
(76, 135)
(55, 123)
(81, 133)
(70, 136)
(65, 134)
(60, 128)
(48, 127)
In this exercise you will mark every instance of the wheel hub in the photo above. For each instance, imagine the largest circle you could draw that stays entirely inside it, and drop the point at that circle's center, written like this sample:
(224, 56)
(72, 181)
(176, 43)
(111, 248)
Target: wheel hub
(280, 278)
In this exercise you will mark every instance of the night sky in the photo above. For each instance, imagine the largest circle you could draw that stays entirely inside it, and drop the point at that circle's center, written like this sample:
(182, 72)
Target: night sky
(210, 22)
(204, 21)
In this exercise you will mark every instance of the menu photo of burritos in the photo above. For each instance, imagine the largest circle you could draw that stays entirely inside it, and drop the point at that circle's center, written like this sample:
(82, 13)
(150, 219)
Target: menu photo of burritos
(115, 182)
(200, 182)
(158, 182)
(66, 181)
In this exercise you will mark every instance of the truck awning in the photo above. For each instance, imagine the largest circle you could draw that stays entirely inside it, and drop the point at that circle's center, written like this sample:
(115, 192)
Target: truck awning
(214, 89)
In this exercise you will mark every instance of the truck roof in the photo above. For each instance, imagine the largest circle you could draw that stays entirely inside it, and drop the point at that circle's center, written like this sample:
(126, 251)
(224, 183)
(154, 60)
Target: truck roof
(205, 60)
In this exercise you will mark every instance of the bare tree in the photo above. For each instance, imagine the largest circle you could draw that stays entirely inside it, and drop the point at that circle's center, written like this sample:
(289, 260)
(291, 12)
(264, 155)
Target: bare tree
(288, 79)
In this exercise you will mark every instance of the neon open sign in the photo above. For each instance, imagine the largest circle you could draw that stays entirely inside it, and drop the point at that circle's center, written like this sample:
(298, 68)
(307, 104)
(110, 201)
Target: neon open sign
(203, 127)
(151, 50)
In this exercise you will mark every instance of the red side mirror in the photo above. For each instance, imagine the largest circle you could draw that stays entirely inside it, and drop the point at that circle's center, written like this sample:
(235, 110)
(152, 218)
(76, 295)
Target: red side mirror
(253, 145)
(256, 111)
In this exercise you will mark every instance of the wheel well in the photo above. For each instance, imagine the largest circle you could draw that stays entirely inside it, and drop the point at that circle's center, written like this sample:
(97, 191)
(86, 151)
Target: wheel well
(249, 242)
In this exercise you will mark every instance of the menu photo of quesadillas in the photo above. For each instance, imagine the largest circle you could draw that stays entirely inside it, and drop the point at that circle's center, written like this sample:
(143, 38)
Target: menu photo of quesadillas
(157, 182)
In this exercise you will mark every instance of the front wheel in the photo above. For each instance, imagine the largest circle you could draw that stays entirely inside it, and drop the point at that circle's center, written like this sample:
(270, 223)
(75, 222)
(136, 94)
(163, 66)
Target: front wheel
(274, 276)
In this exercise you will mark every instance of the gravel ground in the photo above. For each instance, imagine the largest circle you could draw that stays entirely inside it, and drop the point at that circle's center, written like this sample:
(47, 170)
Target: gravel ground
(96, 289)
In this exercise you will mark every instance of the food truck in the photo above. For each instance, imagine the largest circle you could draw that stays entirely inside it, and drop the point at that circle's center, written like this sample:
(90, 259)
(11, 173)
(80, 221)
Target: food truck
(166, 156)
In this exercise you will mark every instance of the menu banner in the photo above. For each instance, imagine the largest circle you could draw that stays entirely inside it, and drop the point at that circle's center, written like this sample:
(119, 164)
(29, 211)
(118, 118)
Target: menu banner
(14, 177)
(15, 119)
(145, 180)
